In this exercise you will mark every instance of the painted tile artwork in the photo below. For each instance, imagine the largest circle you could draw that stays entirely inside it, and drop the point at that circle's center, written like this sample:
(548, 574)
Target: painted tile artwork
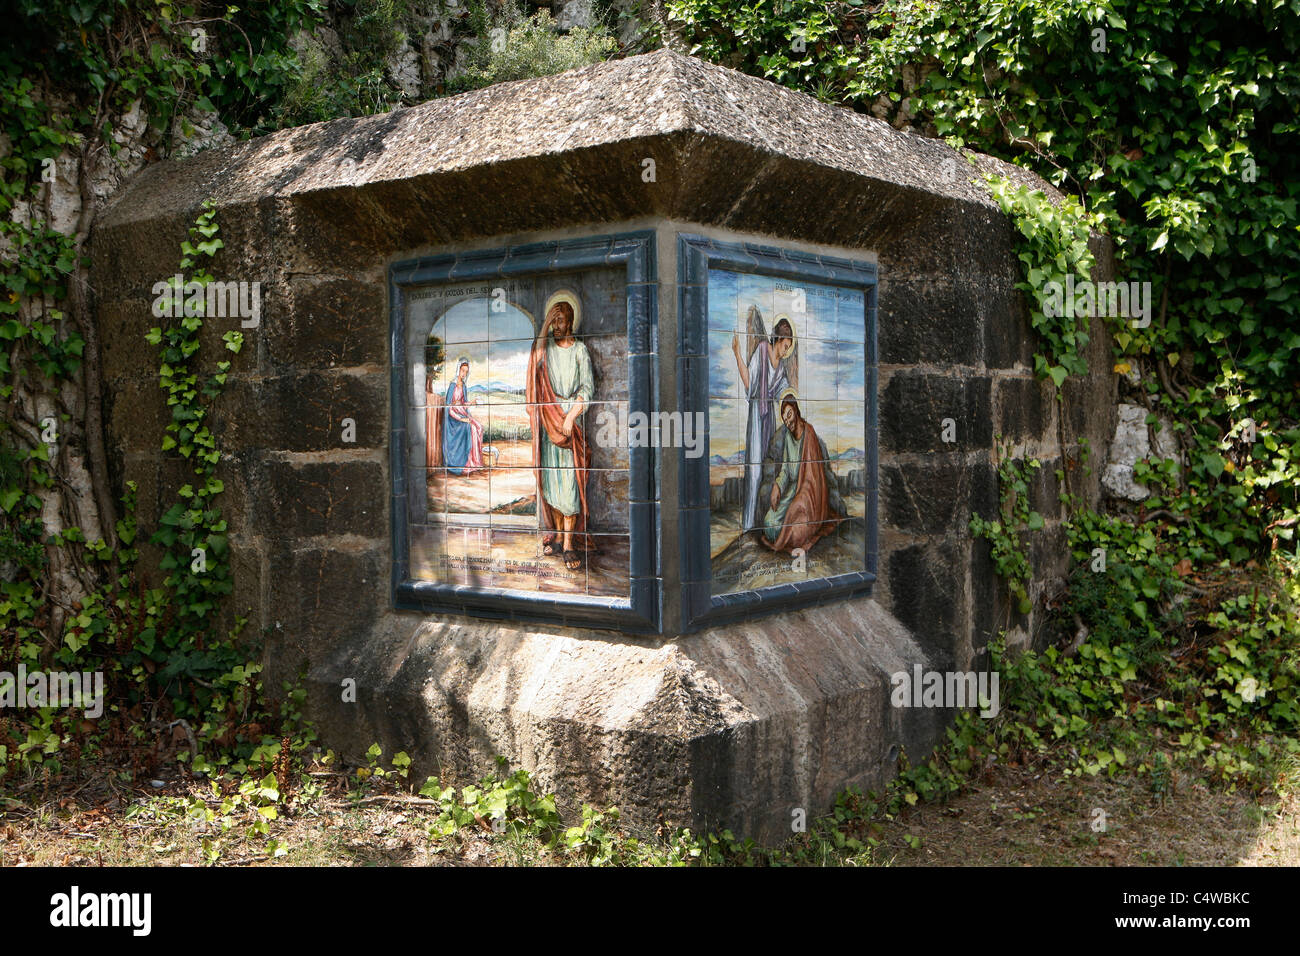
(508, 488)
(787, 430)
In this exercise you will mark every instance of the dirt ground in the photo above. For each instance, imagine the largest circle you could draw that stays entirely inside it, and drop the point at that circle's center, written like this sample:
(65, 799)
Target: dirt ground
(1014, 819)
(1024, 819)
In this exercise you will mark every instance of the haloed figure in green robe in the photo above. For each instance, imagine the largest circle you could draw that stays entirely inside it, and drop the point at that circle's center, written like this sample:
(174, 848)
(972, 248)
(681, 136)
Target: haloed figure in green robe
(560, 386)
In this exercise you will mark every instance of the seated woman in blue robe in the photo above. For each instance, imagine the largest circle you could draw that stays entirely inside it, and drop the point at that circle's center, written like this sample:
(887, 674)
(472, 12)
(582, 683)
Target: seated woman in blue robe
(462, 434)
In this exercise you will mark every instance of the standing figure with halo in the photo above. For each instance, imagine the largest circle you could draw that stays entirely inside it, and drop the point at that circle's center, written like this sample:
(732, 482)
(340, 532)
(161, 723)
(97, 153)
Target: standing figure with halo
(559, 387)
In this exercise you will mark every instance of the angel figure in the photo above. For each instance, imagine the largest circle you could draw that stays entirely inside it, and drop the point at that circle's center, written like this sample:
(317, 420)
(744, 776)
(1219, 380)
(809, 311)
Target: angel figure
(768, 367)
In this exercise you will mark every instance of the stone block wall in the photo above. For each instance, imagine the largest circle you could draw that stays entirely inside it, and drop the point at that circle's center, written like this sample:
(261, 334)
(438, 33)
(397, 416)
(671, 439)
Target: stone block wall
(957, 345)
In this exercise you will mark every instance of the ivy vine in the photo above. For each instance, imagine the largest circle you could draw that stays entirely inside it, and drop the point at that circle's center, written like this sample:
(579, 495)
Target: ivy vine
(1005, 532)
(1053, 252)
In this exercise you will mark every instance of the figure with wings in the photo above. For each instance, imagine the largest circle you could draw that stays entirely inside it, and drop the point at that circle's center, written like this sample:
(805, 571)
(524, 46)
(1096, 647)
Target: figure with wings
(767, 368)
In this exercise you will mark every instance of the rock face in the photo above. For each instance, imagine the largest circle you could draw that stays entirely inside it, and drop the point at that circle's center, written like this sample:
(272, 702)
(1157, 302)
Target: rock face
(737, 725)
(1132, 443)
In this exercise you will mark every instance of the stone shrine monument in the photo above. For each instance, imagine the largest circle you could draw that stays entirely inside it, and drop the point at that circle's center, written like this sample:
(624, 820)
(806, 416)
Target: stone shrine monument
(625, 423)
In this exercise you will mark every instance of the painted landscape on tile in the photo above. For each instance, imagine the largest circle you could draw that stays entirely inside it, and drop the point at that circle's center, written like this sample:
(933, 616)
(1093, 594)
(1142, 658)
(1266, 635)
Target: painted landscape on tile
(787, 430)
(508, 490)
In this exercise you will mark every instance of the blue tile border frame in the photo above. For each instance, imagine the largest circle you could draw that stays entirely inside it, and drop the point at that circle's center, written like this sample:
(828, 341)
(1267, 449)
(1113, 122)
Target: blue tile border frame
(635, 251)
(695, 256)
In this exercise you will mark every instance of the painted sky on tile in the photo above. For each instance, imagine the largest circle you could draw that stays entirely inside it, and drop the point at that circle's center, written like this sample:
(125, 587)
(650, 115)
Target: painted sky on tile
(495, 343)
(832, 357)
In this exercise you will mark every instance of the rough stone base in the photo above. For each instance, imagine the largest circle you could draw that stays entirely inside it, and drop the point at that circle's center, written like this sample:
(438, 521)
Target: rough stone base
(734, 727)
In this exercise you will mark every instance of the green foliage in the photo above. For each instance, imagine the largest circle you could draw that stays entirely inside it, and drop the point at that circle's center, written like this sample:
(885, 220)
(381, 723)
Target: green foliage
(809, 45)
(1172, 123)
(69, 68)
(374, 772)
(1136, 698)
(352, 79)
(159, 648)
(510, 810)
(1137, 561)
(38, 342)
(435, 353)
(514, 46)
(1172, 127)
(636, 24)
(254, 803)
(101, 56)
(1053, 246)
(503, 806)
(193, 531)
(1004, 532)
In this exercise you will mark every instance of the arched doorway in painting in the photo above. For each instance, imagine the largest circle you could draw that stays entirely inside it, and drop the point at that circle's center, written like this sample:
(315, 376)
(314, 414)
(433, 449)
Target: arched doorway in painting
(478, 442)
